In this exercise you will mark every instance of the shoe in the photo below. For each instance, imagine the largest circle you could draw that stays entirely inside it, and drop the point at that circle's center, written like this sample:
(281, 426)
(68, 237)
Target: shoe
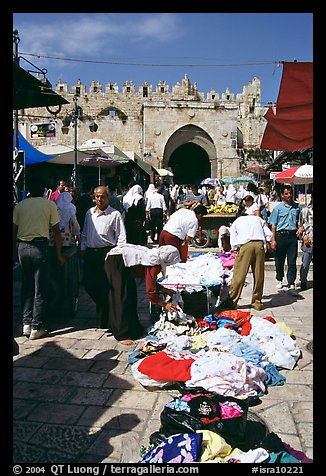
(293, 291)
(226, 305)
(279, 284)
(303, 287)
(257, 307)
(27, 330)
(38, 333)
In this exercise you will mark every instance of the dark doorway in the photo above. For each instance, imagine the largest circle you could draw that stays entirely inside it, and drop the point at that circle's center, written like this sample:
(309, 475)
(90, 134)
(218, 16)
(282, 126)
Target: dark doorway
(190, 164)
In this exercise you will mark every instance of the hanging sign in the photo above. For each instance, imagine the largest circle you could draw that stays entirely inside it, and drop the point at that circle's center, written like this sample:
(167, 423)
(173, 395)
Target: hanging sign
(42, 130)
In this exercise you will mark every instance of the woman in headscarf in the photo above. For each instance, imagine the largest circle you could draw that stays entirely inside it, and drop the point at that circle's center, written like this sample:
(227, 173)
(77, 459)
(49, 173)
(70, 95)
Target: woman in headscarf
(69, 226)
(149, 191)
(230, 196)
(135, 215)
(124, 263)
(174, 194)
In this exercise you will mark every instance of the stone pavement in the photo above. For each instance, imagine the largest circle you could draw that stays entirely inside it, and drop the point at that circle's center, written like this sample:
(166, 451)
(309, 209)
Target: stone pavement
(76, 401)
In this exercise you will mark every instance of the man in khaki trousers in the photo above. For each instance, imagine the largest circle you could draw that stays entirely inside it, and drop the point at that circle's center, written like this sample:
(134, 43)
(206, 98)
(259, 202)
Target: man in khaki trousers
(248, 235)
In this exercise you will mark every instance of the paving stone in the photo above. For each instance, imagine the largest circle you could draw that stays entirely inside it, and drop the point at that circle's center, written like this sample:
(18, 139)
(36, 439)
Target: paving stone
(110, 366)
(90, 396)
(101, 344)
(291, 392)
(98, 354)
(68, 363)
(110, 444)
(114, 418)
(30, 361)
(135, 399)
(125, 382)
(306, 432)
(23, 430)
(70, 440)
(302, 411)
(43, 392)
(56, 413)
(37, 375)
(299, 377)
(82, 379)
(22, 408)
(284, 421)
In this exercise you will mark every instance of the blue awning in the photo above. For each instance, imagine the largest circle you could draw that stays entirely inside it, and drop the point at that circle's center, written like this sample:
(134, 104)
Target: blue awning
(32, 155)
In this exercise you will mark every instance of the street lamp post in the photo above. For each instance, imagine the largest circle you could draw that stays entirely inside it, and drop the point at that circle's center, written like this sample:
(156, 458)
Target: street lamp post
(74, 123)
(72, 119)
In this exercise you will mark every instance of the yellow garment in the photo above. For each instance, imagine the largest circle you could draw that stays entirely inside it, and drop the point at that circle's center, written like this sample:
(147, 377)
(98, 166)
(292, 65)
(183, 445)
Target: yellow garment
(213, 446)
(24, 217)
(285, 328)
(198, 342)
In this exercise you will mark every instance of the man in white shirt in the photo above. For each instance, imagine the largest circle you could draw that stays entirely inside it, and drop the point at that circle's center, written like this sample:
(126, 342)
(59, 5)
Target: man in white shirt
(248, 235)
(181, 226)
(155, 210)
(103, 229)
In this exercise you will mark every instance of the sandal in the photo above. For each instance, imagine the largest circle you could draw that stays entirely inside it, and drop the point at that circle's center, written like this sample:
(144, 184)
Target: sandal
(126, 342)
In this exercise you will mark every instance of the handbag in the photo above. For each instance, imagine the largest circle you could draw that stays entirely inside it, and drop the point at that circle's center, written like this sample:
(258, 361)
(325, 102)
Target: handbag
(205, 414)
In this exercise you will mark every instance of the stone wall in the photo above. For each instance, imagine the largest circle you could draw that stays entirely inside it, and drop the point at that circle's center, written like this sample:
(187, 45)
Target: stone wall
(153, 122)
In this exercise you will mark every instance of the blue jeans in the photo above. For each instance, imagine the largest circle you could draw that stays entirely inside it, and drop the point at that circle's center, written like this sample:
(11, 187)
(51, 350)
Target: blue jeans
(287, 247)
(307, 255)
(34, 261)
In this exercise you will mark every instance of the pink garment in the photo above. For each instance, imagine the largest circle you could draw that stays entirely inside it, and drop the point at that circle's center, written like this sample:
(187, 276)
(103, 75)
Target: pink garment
(230, 410)
(228, 262)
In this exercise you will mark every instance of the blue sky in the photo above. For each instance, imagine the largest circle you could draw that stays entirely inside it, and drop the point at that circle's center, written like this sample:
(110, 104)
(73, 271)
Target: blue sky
(161, 39)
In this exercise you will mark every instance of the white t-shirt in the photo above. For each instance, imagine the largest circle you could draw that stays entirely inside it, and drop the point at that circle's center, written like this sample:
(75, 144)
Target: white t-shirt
(181, 223)
(252, 209)
(155, 200)
(248, 228)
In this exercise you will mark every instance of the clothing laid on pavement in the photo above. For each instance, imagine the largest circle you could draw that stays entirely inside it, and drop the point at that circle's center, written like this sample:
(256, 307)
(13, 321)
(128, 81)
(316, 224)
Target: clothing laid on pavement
(122, 265)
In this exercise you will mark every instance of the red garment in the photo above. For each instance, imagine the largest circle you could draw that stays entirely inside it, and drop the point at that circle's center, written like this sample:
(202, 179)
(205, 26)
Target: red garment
(167, 238)
(162, 366)
(270, 319)
(242, 318)
(54, 195)
(235, 314)
(150, 273)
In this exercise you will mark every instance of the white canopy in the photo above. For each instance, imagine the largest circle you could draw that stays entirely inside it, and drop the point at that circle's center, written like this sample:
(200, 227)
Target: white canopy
(164, 173)
(63, 154)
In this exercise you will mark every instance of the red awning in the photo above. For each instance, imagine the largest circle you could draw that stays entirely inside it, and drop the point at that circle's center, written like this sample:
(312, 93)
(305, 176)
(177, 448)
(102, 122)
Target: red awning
(290, 124)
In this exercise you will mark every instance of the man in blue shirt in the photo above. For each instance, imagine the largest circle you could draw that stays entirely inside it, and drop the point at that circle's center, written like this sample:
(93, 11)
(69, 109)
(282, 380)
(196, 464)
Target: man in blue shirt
(284, 225)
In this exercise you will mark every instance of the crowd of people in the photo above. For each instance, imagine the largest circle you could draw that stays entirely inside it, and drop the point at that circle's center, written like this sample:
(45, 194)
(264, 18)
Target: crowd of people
(113, 233)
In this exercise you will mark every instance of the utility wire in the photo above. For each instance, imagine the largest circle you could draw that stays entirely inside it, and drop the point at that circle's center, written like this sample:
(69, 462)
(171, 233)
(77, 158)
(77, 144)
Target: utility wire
(278, 63)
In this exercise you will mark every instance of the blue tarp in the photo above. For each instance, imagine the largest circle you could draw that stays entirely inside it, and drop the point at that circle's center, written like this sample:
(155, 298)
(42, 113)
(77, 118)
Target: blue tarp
(32, 155)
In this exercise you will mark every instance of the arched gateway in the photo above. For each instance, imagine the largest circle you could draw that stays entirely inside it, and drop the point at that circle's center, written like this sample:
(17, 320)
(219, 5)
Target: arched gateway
(191, 155)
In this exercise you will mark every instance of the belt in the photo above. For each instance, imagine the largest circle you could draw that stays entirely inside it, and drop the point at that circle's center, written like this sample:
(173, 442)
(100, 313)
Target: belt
(286, 232)
(104, 248)
(39, 239)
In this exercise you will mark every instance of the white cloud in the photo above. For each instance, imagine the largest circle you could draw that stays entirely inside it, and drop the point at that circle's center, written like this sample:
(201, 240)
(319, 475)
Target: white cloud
(96, 35)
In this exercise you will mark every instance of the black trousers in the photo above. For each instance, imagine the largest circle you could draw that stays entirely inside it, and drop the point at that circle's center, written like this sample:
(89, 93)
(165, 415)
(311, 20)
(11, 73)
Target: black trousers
(122, 300)
(156, 216)
(287, 248)
(95, 281)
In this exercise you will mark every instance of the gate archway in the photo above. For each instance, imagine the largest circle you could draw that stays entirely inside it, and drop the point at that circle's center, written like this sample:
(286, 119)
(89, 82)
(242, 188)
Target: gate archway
(191, 154)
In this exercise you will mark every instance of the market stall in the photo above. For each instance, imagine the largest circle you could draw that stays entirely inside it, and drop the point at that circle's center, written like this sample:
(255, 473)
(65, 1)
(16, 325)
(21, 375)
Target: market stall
(208, 229)
(221, 363)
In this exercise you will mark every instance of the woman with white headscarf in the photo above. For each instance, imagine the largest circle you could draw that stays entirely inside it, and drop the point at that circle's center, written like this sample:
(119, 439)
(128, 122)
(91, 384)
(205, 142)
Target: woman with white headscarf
(230, 196)
(135, 215)
(149, 191)
(122, 264)
(69, 226)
